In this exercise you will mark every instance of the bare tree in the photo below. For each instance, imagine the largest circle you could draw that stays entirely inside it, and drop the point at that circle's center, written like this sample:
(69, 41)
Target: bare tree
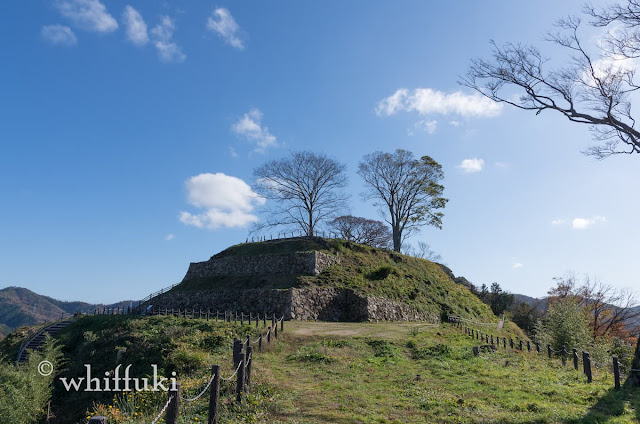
(611, 310)
(593, 88)
(406, 190)
(306, 189)
(423, 251)
(362, 230)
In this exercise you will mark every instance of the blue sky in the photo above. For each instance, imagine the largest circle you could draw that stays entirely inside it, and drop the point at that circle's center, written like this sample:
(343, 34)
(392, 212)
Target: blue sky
(108, 110)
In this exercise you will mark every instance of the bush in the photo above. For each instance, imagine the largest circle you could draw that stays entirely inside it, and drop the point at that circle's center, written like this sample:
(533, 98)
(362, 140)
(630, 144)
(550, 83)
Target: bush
(567, 324)
(24, 392)
(440, 350)
(383, 349)
(381, 272)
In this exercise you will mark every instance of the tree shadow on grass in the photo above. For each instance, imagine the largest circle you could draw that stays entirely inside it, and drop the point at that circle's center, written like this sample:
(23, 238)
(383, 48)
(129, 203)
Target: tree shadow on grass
(612, 405)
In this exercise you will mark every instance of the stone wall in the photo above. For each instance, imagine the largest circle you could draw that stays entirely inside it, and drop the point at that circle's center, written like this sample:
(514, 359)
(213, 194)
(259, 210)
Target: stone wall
(304, 263)
(325, 304)
(382, 309)
(254, 301)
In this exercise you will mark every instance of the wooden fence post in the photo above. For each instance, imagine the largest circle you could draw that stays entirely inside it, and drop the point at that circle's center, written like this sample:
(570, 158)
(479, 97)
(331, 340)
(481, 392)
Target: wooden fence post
(282, 323)
(575, 359)
(249, 362)
(504, 342)
(257, 319)
(528, 346)
(520, 344)
(260, 343)
(269, 335)
(587, 365)
(564, 355)
(549, 351)
(214, 395)
(240, 381)
(537, 347)
(264, 320)
(171, 416)
(237, 348)
(511, 343)
(275, 333)
(616, 373)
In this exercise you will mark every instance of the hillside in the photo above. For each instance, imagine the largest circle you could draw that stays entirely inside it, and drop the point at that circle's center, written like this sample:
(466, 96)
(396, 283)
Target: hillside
(20, 307)
(366, 270)
(319, 372)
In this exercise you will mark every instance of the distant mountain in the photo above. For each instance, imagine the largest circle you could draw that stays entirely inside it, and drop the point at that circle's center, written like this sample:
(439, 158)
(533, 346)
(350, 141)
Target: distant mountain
(543, 304)
(540, 304)
(20, 306)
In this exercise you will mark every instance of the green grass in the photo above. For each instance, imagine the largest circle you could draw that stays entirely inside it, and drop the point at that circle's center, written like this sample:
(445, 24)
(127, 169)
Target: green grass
(279, 246)
(391, 373)
(366, 270)
(320, 372)
(185, 346)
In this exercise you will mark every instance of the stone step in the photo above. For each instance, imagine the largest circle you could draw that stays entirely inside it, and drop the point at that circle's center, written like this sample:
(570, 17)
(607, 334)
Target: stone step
(37, 341)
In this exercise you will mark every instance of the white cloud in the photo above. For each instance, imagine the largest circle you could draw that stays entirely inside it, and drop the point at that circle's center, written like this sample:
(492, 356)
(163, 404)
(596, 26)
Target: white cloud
(169, 237)
(455, 123)
(232, 152)
(136, 28)
(427, 101)
(584, 223)
(162, 35)
(425, 125)
(517, 265)
(90, 15)
(59, 34)
(579, 223)
(250, 127)
(223, 23)
(227, 201)
(471, 165)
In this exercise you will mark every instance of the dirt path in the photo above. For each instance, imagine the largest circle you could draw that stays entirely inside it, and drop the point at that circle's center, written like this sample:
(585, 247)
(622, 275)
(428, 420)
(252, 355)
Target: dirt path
(386, 330)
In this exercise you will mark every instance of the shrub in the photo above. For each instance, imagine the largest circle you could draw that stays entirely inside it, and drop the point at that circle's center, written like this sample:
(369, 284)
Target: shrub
(382, 272)
(439, 350)
(567, 324)
(24, 392)
(382, 349)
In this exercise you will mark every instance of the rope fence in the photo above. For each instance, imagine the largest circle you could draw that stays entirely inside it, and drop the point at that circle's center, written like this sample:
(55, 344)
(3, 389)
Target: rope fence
(242, 365)
(564, 353)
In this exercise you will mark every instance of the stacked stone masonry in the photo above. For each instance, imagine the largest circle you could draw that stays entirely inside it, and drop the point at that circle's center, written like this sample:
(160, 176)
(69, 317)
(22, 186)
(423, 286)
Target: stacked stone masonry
(303, 263)
(325, 304)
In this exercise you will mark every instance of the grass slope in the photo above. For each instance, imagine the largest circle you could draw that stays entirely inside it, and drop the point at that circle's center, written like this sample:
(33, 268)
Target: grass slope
(184, 346)
(337, 373)
(412, 373)
(366, 270)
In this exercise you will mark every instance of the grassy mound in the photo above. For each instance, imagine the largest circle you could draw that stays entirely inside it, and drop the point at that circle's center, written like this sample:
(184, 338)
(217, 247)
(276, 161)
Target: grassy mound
(417, 373)
(184, 346)
(364, 269)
